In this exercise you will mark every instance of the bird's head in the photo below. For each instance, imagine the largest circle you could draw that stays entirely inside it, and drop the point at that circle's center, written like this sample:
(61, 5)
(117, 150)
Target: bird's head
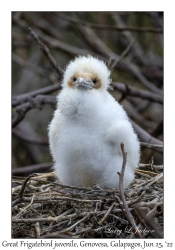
(86, 73)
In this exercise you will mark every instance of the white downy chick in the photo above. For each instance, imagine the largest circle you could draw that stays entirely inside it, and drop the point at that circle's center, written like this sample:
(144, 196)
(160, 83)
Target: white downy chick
(88, 127)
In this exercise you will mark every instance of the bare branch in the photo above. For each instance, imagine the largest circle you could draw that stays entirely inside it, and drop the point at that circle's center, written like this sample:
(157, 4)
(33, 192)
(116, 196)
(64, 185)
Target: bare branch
(68, 49)
(158, 129)
(17, 100)
(25, 207)
(46, 52)
(121, 176)
(33, 102)
(93, 39)
(148, 145)
(20, 195)
(123, 54)
(157, 167)
(38, 230)
(132, 91)
(108, 27)
(30, 66)
(145, 137)
(151, 181)
(135, 70)
(106, 214)
(27, 138)
(128, 37)
(38, 168)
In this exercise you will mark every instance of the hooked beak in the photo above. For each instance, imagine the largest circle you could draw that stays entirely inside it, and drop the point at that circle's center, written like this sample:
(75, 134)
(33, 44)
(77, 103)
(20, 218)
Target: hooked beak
(83, 83)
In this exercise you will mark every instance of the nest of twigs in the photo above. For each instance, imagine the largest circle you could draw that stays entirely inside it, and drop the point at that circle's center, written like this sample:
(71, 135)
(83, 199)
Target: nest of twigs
(43, 208)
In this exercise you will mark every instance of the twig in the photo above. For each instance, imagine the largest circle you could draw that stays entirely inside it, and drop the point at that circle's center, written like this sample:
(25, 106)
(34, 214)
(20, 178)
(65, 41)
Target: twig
(24, 185)
(146, 172)
(147, 219)
(121, 176)
(128, 36)
(38, 168)
(108, 27)
(28, 138)
(38, 230)
(17, 119)
(72, 50)
(74, 225)
(151, 181)
(48, 219)
(132, 202)
(134, 114)
(51, 198)
(148, 145)
(157, 167)
(142, 174)
(20, 196)
(145, 137)
(99, 46)
(43, 176)
(25, 207)
(17, 100)
(123, 54)
(93, 39)
(46, 52)
(106, 214)
(158, 129)
(118, 218)
(55, 219)
(135, 70)
(151, 205)
(57, 235)
(83, 231)
(68, 49)
(96, 42)
(30, 66)
(16, 189)
(132, 91)
(35, 102)
(55, 43)
(157, 178)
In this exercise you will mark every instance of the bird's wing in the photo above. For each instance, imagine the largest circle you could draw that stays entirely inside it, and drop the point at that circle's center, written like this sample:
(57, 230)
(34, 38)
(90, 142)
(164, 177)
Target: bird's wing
(122, 131)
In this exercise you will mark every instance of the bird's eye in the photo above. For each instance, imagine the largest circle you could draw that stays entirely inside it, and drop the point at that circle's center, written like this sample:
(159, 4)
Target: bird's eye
(94, 81)
(74, 79)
